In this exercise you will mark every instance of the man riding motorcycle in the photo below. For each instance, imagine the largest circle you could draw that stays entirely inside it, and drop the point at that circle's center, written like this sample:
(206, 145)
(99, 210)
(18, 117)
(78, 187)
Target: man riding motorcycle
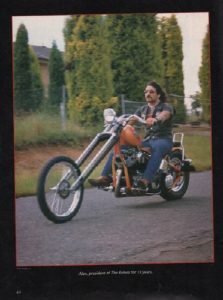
(158, 115)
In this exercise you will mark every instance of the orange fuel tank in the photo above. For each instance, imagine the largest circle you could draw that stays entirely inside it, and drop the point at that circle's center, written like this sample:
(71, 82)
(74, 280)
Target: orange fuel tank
(129, 137)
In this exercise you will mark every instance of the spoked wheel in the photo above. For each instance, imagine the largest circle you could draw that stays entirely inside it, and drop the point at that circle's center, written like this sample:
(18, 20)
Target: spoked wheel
(56, 200)
(174, 184)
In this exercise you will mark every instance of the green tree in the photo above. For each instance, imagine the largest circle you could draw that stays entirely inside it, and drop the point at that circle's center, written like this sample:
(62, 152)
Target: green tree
(70, 24)
(56, 77)
(172, 55)
(88, 75)
(204, 77)
(37, 85)
(22, 71)
(195, 106)
(136, 53)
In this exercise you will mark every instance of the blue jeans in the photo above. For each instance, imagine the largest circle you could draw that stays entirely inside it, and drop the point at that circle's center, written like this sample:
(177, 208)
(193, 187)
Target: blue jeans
(159, 147)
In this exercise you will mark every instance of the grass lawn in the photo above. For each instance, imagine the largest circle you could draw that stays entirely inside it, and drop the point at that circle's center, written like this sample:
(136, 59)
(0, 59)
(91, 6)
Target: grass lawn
(39, 137)
(198, 148)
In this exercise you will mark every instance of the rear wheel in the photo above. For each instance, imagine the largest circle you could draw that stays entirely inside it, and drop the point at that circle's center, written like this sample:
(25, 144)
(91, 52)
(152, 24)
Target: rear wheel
(56, 200)
(174, 184)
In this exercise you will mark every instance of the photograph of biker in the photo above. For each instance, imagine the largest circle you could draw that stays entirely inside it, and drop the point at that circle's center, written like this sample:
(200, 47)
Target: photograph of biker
(158, 115)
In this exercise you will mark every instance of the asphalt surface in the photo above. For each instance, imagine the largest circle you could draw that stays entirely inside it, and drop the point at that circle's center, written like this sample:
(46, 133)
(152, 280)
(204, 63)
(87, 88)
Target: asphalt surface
(109, 230)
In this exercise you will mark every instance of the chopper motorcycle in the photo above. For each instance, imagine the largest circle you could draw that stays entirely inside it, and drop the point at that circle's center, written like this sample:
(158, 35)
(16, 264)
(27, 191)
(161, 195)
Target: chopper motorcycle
(61, 181)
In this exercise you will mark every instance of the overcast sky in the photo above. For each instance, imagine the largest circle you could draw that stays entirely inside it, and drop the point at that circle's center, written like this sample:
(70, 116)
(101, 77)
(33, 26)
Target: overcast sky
(43, 30)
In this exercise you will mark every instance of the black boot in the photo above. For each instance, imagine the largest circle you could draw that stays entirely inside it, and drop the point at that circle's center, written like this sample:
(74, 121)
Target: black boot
(143, 184)
(149, 187)
(100, 182)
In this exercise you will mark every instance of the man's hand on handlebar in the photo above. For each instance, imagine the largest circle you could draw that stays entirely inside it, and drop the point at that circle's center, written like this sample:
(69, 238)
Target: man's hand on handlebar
(151, 121)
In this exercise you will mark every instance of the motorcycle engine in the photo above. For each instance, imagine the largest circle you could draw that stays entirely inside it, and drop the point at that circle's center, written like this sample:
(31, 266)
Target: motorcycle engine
(135, 161)
(141, 157)
(130, 155)
(133, 156)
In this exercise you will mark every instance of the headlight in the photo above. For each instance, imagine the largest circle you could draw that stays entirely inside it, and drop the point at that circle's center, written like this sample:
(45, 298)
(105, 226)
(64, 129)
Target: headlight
(109, 115)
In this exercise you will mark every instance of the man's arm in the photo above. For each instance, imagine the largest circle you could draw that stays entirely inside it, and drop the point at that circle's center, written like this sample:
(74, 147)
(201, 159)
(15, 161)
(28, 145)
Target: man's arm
(133, 119)
(163, 116)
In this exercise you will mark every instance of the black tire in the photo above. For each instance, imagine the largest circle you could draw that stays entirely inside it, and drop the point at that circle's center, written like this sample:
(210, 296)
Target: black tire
(56, 201)
(178, 191)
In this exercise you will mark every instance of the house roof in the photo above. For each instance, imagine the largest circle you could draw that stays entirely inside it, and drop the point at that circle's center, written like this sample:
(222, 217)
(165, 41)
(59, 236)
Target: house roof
(42, 52)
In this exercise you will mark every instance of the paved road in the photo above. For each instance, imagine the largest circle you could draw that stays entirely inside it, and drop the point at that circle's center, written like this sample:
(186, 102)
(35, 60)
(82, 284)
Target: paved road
(108, 230)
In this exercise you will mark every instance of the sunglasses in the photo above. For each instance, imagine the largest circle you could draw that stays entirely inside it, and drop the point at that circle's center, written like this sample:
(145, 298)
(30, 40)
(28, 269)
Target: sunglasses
(149, 91)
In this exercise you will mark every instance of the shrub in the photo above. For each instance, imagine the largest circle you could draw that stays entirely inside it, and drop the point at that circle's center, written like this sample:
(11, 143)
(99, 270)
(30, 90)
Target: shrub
(42, 129)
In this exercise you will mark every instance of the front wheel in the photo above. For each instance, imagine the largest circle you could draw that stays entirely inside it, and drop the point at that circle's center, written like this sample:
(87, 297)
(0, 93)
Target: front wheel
(174, 184)
(56, 200)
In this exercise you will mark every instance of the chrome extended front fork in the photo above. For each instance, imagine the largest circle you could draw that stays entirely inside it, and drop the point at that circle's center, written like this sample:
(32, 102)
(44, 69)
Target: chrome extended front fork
(112, 139)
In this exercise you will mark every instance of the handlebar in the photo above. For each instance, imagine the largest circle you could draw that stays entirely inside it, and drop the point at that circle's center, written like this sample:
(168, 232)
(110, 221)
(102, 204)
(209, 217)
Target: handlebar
(126, 118)
(139, 119)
